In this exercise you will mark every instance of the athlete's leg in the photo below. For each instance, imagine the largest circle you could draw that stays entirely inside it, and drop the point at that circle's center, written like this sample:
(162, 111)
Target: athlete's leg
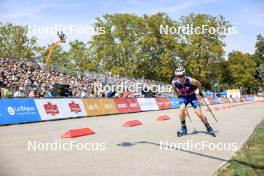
(201, 115)
(198, 111)
(182, 102)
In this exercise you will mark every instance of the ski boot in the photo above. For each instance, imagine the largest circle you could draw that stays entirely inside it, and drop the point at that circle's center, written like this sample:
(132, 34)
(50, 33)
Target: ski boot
(182, 132)
(211, 131)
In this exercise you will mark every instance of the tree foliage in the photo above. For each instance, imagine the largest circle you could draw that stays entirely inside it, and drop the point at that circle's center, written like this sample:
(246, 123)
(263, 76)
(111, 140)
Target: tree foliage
(242, 69)
(202, 53)
(14, 43)
(133, 46)
(259, 56)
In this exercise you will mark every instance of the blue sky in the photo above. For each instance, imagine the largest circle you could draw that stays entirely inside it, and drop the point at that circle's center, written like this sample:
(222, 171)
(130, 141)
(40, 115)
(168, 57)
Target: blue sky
(247, 16)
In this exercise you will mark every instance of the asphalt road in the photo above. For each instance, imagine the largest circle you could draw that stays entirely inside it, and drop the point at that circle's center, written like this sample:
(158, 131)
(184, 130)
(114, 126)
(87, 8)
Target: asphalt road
(119, 151)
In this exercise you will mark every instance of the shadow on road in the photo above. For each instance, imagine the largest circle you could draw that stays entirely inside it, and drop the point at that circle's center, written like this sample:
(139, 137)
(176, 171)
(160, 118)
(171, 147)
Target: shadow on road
(131, 144)
(202, 132)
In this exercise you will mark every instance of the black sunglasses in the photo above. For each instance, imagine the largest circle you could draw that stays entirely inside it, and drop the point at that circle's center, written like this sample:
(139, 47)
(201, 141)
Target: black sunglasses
(180, 76)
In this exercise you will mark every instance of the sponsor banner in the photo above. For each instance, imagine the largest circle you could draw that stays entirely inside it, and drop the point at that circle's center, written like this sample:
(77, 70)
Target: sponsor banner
(211, 100)
(96, 107)
(50, 109)
(14, 111)
(122, 105)
(108, 106)
(216, 101)
(174, 102)
(133, 104)
(221, 100)
(244, 99)
(163, 103)
(233, 93)
(258, 98)
(226, 100)
(236, 99)
(92, 107)
(230, 100)
(250, 98)
(147, 104)
(207, 101)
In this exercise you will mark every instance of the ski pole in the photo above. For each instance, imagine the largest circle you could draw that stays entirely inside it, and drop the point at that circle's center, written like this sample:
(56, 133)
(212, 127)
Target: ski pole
(188, 114)
(209, 108)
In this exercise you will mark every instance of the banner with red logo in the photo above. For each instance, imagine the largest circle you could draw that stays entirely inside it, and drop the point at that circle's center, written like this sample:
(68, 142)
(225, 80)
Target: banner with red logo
(226, 100)
(163, 103)
(133, 104)
(60, 108)
(122, 105)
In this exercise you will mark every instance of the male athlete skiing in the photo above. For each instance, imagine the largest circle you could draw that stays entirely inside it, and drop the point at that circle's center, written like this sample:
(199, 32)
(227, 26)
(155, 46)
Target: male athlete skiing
(185, 87)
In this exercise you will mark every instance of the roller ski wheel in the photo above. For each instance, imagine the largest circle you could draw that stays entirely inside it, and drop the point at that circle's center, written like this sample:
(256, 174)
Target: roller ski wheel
(182, 132)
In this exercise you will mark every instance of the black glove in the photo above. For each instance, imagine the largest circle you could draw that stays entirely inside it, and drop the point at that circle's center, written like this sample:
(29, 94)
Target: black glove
(201, 94)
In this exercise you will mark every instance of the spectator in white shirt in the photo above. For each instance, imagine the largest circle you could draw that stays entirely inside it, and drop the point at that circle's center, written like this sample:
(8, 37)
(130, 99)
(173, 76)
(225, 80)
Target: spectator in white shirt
(20, 93)
(84, 93)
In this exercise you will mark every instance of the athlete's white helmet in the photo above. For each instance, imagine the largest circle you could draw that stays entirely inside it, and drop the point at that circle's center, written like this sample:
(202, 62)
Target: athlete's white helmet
(180, 71)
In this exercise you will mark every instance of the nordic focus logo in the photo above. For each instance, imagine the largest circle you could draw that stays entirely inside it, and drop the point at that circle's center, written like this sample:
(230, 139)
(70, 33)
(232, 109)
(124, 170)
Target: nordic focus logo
(191, 145)
(68, 29)
(59, 145)
(190, 30)
(138, 87)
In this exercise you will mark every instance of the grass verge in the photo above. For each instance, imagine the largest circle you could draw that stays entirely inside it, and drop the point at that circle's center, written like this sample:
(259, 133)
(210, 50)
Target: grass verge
(249, 160)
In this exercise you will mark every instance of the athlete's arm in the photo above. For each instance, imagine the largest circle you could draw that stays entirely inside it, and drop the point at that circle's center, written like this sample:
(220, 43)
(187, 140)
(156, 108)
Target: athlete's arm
(197, 84)
(175, 89)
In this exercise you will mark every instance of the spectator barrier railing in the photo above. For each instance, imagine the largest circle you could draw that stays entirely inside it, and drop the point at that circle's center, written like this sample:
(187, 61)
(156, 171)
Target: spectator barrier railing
(23, 110)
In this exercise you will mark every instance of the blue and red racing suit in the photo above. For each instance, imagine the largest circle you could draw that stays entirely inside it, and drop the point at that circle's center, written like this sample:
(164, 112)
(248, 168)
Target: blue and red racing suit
(187, 93)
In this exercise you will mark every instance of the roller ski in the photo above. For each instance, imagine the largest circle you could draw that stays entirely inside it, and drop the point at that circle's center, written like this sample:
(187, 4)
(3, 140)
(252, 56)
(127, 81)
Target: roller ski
(211, 132)
(182, 132)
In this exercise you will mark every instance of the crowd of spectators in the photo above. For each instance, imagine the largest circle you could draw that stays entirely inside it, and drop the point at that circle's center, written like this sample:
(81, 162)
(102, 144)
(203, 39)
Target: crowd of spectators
(27, 79)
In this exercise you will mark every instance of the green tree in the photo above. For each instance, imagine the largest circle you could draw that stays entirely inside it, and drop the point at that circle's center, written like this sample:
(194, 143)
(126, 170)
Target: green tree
(114, 49)
(242, 69)
(159, 48)
(14, 43)
(80, 60)
(225, 81)
(59, 60)
(133, 46)
(259, 56)
(202, 51)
